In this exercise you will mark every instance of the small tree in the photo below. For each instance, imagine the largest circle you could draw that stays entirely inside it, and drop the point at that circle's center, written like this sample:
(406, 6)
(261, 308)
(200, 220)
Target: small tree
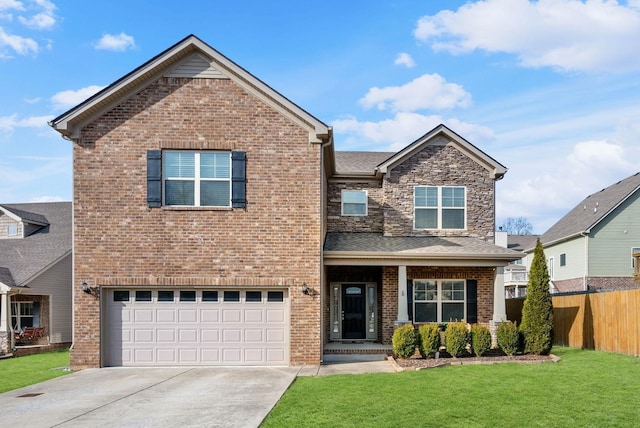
(537, 312)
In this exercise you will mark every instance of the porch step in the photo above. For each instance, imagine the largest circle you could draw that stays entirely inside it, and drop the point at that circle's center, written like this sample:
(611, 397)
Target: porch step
(357, 348)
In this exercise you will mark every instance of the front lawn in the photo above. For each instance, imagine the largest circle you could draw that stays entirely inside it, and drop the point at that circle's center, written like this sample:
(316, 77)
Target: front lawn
(586, 388)
(23, 371)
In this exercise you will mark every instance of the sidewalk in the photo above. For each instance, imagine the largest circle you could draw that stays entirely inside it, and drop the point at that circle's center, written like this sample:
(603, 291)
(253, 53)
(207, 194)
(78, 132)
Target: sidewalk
(349, 364)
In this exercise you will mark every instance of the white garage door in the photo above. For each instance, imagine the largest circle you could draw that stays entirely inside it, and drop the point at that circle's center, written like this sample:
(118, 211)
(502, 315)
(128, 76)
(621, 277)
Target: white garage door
(196, 327)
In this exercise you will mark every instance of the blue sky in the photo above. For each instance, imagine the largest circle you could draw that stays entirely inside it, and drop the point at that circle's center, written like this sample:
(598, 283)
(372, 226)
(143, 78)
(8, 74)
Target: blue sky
(551, 88)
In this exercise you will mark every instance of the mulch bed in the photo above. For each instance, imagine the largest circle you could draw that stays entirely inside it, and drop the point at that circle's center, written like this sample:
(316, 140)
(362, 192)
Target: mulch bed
(494, 356)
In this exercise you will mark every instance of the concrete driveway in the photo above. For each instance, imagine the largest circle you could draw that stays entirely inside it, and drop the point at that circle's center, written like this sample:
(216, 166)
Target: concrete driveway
(149, 397)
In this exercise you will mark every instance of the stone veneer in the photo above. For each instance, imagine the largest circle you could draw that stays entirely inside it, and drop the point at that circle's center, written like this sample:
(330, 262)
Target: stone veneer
(439, 165)
(372, 222)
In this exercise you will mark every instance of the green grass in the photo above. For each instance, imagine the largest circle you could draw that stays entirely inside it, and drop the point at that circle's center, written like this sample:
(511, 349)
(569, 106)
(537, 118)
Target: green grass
(23, 371)
(584, 389)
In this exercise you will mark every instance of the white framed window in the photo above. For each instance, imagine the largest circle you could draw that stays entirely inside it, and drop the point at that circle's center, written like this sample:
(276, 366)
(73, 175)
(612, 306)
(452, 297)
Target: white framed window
(550, 264)
(197, 178)
(439, 300)
(22, 315)
(12, 230)
(439, 207)
(354, 202)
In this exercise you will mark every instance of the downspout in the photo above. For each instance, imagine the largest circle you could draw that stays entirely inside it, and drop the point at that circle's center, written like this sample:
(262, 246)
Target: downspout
(323, 233)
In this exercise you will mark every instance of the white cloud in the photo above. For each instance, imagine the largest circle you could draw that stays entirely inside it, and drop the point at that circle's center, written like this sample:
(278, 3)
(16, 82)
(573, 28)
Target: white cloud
(43, 19)
(119, 42)
(569, 35)
(405, 59)
(8, 123)
(545, 188)
(67, 99)
(10, 5)
(429, 91)
(395, 133)
(20, 45)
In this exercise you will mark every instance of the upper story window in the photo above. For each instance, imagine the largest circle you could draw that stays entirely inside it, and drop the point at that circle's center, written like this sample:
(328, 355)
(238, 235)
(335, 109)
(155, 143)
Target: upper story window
(354, 202)
(12, 230)
(200, 179)
(439, 207)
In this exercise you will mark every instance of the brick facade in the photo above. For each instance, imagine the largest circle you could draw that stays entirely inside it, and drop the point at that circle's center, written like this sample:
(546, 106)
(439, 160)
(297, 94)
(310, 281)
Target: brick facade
(119, 241)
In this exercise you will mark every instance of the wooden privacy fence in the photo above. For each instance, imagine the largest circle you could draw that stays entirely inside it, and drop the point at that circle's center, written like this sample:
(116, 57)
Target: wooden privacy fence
(607, 321)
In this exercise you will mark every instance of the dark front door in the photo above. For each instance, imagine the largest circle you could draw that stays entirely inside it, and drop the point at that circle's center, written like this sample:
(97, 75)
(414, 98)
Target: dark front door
(353, 311)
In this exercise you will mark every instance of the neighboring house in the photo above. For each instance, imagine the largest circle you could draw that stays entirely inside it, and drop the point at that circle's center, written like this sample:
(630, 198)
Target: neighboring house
(592, 246)
(516, 273)
(35, 273)
(215, 224)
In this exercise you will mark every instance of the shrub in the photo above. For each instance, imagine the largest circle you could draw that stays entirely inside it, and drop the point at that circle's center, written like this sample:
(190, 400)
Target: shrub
(404, 341)
(480, 339)
(537, 312)
(456, 338)
(428, 340)
(508, 337)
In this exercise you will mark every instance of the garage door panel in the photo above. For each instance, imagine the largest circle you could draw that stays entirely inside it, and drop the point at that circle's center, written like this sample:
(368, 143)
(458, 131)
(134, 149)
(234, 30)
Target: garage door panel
(252, 335)
(231, 315)
(188, 315)
(201, 332)
(209, 316)
(210, 336)
(143, 315)
(143, 336)
(276, 315)
(188, 335)
(166, 335)
(166, 315)
(254, 315)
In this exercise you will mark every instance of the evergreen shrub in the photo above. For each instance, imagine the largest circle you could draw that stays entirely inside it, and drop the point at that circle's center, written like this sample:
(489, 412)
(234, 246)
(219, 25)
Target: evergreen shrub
(456, 338)
(404, 341)
(508, 337)
(480, 339)
(428, 340)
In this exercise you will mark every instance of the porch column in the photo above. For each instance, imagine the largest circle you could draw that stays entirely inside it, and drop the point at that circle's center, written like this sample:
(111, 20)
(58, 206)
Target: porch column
(403, 308)
(5, 334)
(499, 306)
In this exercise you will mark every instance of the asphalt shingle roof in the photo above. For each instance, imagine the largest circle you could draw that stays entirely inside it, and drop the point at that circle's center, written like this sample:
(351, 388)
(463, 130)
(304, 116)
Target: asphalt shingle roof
(521, 242)
(360, 162)
(416, 246)
(23, 258)
(592, 209)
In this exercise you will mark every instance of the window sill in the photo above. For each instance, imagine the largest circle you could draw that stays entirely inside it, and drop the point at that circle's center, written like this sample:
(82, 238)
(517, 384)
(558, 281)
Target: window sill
(184, 208)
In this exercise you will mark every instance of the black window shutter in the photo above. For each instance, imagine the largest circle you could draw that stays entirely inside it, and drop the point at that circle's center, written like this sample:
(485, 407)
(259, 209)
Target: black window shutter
(154, 178)
(410, 298)
(238, 179)
(472, 301)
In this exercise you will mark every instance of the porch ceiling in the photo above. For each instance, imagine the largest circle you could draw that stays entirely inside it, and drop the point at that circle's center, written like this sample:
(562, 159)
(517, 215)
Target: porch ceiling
(374, 248)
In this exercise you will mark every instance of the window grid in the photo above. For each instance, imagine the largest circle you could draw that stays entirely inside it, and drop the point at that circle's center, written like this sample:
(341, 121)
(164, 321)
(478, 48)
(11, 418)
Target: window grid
(197, 178)
(439, 300)
(354, 202)
(439, 207)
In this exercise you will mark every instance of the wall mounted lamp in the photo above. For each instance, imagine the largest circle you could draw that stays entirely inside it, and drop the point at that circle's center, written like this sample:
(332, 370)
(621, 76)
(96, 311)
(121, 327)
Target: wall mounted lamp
(305, 289)
(89, 290)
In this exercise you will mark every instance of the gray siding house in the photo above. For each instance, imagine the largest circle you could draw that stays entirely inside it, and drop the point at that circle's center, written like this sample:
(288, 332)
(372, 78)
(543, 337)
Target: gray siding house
(592, 246)
(35, 274)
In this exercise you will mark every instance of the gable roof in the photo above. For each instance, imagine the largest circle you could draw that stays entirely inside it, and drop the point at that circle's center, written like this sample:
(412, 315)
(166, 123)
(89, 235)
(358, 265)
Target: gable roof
(25, 258)
(26, 216)
(190, 57)
(592, 210)
(521, 242)
(442, 135)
